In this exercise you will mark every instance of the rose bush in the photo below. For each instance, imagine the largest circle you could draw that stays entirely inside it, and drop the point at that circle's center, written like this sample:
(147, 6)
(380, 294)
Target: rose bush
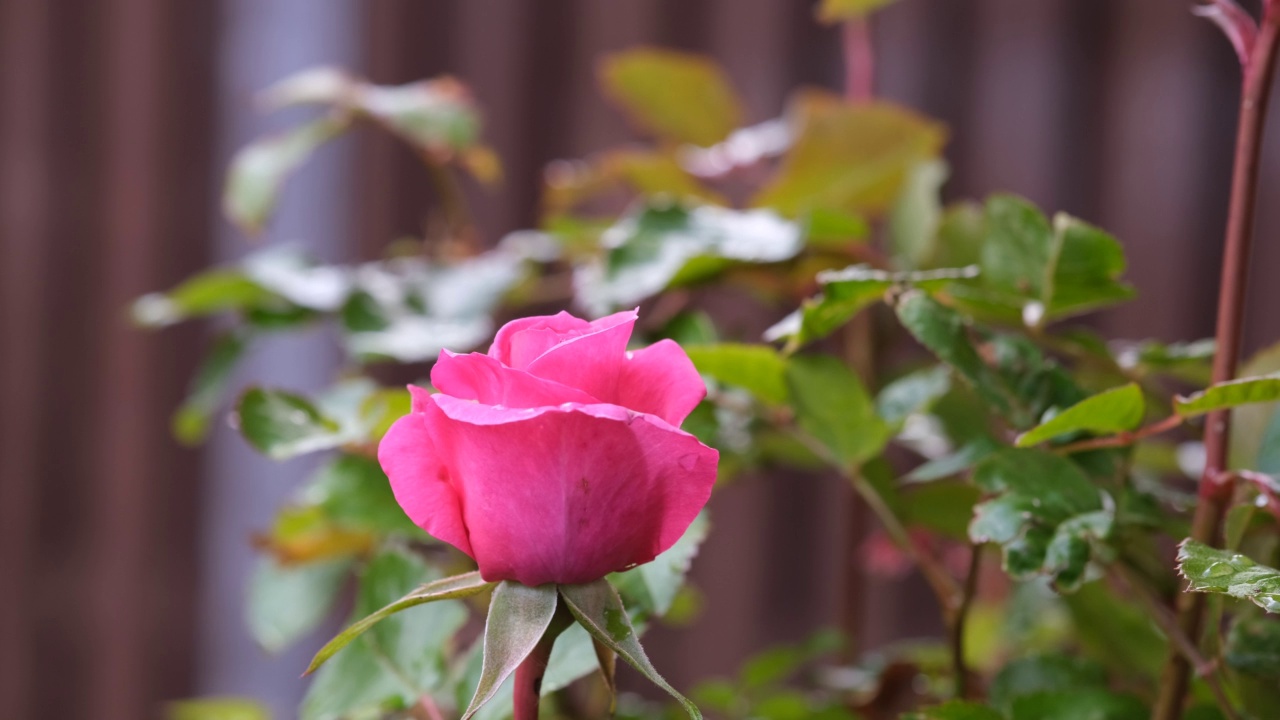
(557, 457)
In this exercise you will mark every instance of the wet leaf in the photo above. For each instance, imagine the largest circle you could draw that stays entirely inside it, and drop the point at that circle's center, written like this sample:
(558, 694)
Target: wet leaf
(674, 95)
(1222, 571)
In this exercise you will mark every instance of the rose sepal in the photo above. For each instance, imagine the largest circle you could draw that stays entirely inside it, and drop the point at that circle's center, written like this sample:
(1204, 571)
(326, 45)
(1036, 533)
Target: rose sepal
(520, 617)
(450, 588)
(598, 608)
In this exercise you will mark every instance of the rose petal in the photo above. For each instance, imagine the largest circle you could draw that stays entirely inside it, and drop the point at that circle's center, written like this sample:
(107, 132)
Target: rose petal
(591, 362)
(421, 481)
(520, 342)
(486, 380)
(570, 494)
(660, 380)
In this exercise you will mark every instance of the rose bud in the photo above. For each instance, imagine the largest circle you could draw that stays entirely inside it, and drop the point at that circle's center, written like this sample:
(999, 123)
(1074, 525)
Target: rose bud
(557, 456)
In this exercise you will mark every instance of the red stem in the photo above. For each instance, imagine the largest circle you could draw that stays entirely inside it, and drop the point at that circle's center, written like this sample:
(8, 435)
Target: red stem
(859, 61)
(1215, 485)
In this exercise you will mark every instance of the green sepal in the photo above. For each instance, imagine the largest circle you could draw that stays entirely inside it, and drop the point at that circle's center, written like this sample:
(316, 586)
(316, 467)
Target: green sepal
(450, 588)
(597, 607)
(518, 618)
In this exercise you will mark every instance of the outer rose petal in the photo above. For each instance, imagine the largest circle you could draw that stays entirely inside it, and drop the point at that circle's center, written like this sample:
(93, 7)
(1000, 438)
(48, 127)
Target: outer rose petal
(487, 381)
(660, 380)
(421, 481)
(569, 494)
(591, 362)
(522, 341)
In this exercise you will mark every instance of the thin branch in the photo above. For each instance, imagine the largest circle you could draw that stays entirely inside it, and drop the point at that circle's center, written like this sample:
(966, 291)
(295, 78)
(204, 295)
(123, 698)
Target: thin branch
(1215, 491)
(1123, 439)
(964, 688)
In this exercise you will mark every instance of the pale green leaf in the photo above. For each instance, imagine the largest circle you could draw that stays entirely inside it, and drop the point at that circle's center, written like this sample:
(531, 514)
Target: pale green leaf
(917, 215)
(1225, 395)
(674, 95)
(757, 368)
(258, 170)
(653, 586)
(912, 393)
(282, 425)
(288, 601)
(832, 405)
(216, 708)
(833, 11)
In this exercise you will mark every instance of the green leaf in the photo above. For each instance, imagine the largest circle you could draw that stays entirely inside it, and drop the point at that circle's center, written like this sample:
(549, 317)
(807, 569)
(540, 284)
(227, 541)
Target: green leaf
(945, 333)
(1116, 410)
(458, 586)
(291, 273)
(191, 420)
(288, 601)
(849, 157)
(395, 663)
(825, 228)
(1043, 673)
(1253, 646)
(216, 709)
(1041, 272)
(757, 368)
(954, 464)
(832, 405)
(1117, 633)
(1221, 571)
(847, 292)
(653, 586)
(1047, 516)
(1250, 423)
(674, 95)
(208, 293)
(354, 492)
(955, 710)
(598, 608)
(1190, 362)
(917, 215)
(912, 393)
(666, 244)
(518, 618)
(258, 170)
(1079, 704)
(1229, 394)
(282, 425)
(833, 11)
(943, 507)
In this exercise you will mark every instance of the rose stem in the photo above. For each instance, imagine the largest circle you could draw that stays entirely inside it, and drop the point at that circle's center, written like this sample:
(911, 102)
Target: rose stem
(1215, 486)
(528, 689)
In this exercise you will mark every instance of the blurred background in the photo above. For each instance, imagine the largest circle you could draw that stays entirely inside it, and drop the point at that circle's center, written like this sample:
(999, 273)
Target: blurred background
(123, 557)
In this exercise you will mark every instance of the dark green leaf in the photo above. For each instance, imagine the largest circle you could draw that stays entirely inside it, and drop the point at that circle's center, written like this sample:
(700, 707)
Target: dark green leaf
(1047, 516)
(832, 405)
(944, 332)
(518, 618)
(258, 170)
(191, 421)
(282, 425)
(848, 157)
(652, 587)
(599, 609)
(1116, 410)
(1225, 395)
(912, 393)
(944, 507)
(1043, 673)
(955, 710)
(674, 95)
(459, 586)
(1117, 633)
(1253, 646)
(395, 663)
(1222, 571)
(209, 293)
(216, 709)
(758, 368)
(1079, 704)
(288, 601)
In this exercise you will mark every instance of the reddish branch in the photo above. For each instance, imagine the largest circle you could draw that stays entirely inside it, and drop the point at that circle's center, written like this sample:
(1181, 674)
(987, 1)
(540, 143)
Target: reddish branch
(1215, 485)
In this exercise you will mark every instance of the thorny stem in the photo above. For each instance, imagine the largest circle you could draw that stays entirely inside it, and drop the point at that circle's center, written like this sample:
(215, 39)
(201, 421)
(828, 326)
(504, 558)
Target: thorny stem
(1123, 439)
(1215, 489)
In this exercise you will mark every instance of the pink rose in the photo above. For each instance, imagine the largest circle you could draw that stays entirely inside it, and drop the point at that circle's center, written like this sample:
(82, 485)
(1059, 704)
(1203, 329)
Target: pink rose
(557, 457)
